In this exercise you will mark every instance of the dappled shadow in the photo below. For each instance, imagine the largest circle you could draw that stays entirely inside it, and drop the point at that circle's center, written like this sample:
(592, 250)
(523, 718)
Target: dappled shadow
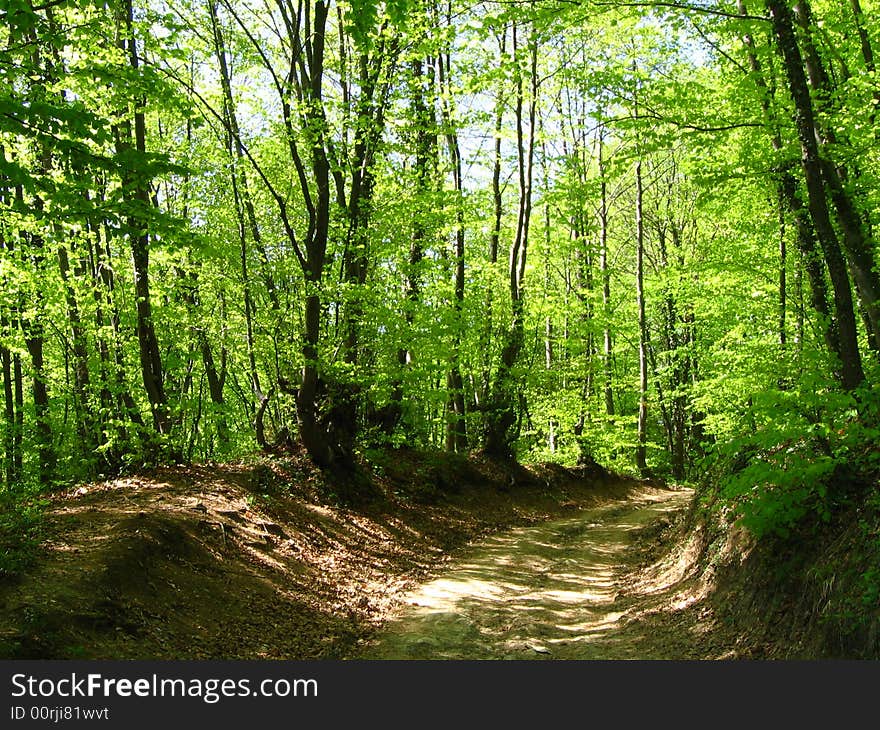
(244, 562)
(545, 591)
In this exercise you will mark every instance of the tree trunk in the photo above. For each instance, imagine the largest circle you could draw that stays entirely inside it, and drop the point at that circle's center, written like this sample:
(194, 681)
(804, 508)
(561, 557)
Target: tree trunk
(494, 235)
(606, 279)
(247, 223)
(315, 438)
(857, 247)
(787, 194)
(18, 433)
(423, 100)
(501, 414)
(456, 423)
(783, 262)
(135, 190)
(33, 330)
(32, 326)
(9, 419)
(852, 374)
(105, 285)
(84, 414)
(641, 448)
(457, 429)
(11, 440)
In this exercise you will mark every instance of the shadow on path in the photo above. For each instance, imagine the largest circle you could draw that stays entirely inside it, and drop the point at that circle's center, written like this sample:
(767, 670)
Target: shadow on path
(541, 592)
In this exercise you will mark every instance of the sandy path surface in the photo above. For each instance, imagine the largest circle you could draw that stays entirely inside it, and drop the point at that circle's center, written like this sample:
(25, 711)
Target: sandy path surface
(540, 592)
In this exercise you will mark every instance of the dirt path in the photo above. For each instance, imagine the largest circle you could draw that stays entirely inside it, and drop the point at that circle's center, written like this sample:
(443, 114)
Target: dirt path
(260, 561)
(548, 591)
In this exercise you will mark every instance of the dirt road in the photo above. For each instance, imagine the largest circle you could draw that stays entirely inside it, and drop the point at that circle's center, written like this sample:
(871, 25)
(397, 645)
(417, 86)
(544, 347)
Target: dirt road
(547, 591)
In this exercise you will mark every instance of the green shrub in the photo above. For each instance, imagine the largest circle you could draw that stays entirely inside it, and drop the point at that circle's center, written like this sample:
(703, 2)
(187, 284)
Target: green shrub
(808, 453)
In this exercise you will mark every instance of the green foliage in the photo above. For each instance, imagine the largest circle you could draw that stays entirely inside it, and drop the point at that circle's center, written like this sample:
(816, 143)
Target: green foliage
(780, 487)
(404, 110)
(20, 519)
(806, 459)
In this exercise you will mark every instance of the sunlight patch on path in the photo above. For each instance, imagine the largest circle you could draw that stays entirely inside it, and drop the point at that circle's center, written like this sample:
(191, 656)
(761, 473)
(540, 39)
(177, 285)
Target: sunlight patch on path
(544, 591)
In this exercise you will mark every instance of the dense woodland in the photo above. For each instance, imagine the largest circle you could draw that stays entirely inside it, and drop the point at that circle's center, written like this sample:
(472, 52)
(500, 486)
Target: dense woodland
(641, 233)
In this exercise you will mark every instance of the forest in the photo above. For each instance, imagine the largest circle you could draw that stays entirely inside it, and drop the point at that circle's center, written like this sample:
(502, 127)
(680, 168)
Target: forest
(639, 234)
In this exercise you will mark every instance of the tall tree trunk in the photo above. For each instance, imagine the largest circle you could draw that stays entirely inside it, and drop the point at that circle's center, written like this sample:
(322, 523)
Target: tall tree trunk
(641, 448)
(373, 89)
(677, 344)
(84, 415)
(216, 380)
(11, 461)
(105, 291)
(456, 429)
(18, 432)
(605, 274)
(135, 190)
(9, 419)
(783, 262)
(787, 192)
(45, 448)
(857, 247)
(549, 330)
(501, 413)
(423, 100)
(33, 329)
(321, 410)
(495, 233)
(32, 326)
(864, 39)
(247, 224)
(852, 374)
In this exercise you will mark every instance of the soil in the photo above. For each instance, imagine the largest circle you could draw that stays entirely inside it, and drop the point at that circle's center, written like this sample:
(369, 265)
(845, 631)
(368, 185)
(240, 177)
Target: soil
(272, 560)
(548, 591)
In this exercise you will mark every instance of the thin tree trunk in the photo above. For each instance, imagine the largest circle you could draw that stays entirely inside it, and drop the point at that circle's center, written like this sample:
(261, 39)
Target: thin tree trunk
(32, 326)
(45, 450)
(18, 432)
(783, 262)
(641, 448)
(247, 223)
(9, 418)
(7, 327)
(135, 191)
(549, 330)
(867, 56)
(605, 274)
(423, 95)
(456, 431)
(799, 294)
(457, 439)
(125, 402)
(495, 234)
(857, 247)
(84, 416)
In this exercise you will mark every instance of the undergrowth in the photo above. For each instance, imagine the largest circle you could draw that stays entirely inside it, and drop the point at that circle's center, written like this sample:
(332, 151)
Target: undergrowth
(805, 482)
(809, 456)
(20, 521)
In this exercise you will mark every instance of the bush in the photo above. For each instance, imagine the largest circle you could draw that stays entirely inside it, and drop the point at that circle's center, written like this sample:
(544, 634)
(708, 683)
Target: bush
(807, 456)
